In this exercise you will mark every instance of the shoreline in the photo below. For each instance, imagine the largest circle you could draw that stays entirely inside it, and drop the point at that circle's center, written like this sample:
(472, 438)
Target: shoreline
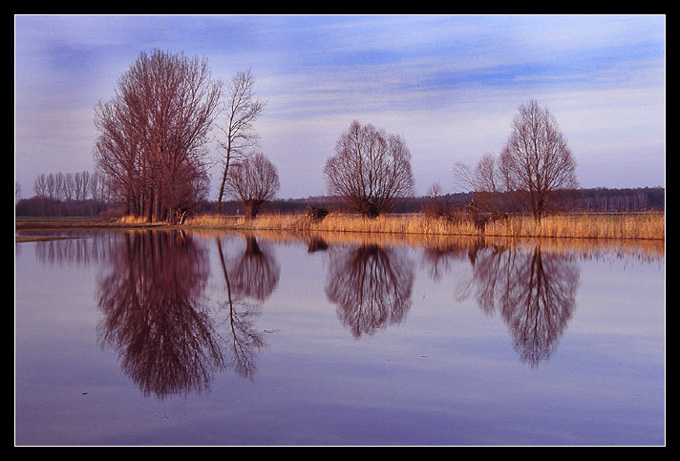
(628, 226)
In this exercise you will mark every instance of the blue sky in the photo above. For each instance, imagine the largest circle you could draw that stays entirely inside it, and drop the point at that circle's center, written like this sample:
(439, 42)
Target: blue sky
(449, 84)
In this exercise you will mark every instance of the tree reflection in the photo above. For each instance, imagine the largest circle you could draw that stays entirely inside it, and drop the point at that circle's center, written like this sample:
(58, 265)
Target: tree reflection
(534, 292)
(371, 286)
(253, 275)
(81, 248)
(157, 316)
(438, 257)
(152, 298)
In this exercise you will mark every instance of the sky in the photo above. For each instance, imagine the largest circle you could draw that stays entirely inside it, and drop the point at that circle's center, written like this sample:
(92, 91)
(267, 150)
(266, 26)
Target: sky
(450, 85)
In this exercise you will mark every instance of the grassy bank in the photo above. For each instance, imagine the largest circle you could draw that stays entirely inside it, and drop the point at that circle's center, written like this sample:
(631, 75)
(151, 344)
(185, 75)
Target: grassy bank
(50, 223)
(601, 226)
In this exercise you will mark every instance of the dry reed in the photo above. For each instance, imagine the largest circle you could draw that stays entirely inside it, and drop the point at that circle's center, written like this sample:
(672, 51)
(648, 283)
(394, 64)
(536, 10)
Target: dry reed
(600, 226)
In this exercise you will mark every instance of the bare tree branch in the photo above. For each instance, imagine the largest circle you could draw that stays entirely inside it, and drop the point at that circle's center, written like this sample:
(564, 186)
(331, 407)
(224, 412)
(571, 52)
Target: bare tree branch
(533, 169)
(255, 181)
(370, 169)
(241, 111)
(153, 132)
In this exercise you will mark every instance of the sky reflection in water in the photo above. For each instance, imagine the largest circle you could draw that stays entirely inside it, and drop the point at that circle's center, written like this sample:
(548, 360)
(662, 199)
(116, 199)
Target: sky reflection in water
(224, 338)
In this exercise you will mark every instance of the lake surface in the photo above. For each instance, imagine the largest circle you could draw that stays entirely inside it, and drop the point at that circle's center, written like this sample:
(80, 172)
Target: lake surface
(218, 338)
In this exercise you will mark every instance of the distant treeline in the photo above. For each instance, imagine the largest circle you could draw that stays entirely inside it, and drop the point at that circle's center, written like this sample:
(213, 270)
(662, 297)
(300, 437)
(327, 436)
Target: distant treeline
(620, 200)
(47, 207)
(595, 200)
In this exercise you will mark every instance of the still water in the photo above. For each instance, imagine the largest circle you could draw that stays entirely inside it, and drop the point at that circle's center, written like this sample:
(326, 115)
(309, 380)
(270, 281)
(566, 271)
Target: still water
(202, 338)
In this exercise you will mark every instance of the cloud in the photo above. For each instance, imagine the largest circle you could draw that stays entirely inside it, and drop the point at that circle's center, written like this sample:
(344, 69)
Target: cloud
(449, 84)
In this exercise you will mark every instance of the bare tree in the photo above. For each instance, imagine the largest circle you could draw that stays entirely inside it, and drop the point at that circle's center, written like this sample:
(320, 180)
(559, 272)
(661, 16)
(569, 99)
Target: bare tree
(241, 111)
(489, 183)
(61, 186)
(40, 185)
(82, 184)
(94, 185)
(40, 188)
(533, 170)
(436, 203)
(153, 132)
(51, 186)
(370, 169)
(538, 160)
(81, 181)
(254, 180)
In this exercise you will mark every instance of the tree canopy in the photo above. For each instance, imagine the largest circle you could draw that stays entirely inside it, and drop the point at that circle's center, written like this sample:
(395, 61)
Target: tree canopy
(153, 131)
(370, 169)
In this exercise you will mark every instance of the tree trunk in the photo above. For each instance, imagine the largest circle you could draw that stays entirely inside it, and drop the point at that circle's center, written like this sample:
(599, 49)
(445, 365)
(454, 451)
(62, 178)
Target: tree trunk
(252, 208)
(221, 194)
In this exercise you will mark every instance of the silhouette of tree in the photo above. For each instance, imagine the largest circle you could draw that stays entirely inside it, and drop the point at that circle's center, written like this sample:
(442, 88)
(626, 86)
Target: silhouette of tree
(535, 170)
(538, 159)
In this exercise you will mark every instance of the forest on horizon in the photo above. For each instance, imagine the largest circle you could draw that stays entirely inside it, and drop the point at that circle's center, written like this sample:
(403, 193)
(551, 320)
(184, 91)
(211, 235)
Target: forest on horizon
(592, 200)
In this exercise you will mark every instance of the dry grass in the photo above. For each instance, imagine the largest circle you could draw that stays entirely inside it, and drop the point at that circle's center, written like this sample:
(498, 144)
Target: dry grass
(132, 220)
(601, 226)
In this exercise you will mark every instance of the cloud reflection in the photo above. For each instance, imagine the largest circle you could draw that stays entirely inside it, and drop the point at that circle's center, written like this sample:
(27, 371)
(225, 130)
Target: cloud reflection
(172, 338)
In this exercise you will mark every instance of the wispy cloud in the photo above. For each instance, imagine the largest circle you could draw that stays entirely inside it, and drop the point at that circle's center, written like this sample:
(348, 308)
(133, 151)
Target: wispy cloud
(449, 84)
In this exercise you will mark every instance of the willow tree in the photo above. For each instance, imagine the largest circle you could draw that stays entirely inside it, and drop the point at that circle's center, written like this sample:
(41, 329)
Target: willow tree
(370, 169)
(153, 133)
(537, 160)
(534, 171)
(253, 180)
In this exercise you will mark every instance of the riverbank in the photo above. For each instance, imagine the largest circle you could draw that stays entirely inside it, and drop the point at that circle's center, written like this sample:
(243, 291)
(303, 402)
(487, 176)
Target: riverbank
(640, 226)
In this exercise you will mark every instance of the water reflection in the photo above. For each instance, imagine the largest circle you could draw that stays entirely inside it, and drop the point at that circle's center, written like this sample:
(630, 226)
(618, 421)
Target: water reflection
(155, 316)
(251, 276)
(160, 321)
(172, 338)
(534, 292)
(255, 273)
(77, 248)
(371, 285)
(182, 314)
(438, 258)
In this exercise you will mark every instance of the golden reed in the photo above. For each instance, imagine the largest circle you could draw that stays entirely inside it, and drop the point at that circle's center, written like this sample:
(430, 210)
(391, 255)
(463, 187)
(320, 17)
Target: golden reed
(644, 226)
